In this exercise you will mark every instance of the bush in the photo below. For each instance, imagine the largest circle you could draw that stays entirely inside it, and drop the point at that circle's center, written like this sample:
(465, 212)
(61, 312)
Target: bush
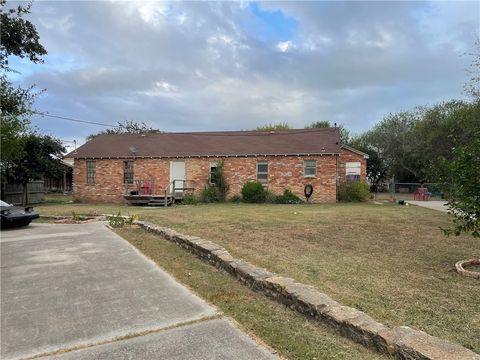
(219, 182)
(253, 192)
(287, 198)
(270, 197)
(353, 191)
(236, 199)
(189, 199)
(209, 194)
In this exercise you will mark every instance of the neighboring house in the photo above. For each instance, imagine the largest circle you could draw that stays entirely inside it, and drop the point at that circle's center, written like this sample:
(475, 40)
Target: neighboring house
(108, 167)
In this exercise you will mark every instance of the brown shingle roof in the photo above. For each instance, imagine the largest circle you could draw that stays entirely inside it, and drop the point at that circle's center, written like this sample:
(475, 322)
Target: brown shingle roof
(232, 143)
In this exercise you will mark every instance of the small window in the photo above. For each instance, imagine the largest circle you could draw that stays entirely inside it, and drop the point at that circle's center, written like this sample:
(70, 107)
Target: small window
(213, 170)
(353, 170)
(128, 172)
(91, 172)
(262, 171)
(310, 168)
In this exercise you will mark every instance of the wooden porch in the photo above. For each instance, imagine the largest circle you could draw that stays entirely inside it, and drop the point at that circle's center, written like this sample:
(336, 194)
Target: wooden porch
(144, 192)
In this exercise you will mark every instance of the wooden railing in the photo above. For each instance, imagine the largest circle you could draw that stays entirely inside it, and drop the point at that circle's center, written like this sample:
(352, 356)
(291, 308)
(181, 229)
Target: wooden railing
(173, 187)
(141, 187)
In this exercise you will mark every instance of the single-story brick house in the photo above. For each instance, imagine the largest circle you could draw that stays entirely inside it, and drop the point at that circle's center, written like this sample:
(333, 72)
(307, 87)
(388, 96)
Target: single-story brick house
(107, 167)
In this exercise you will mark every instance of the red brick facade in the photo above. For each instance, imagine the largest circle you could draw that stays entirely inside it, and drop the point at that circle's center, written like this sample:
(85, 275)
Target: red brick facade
(284, 172)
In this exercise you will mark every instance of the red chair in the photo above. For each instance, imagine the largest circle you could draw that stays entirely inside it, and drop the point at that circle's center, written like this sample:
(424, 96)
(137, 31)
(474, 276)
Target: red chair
(146, 188)
(421, 194)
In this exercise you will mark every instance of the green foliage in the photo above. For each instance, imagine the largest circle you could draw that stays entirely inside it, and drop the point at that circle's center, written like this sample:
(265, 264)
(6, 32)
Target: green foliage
(220, 183)
(274, 127)
(319, 125)
(270, 196)
(209, 194)
(116, 221)
(460, 176)
(236, 199)
(353, 191)
(19, 36)
(407, 143)
(217, 188)
(287, 198)
(126, 127)
(253, 192)
(189, 199)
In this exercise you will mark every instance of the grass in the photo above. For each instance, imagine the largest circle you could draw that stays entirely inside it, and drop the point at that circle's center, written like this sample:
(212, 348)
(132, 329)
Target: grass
(291, 334)
(390, 261)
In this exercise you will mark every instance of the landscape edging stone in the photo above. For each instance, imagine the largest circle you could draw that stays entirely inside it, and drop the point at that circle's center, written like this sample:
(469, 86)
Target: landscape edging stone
(401, 342)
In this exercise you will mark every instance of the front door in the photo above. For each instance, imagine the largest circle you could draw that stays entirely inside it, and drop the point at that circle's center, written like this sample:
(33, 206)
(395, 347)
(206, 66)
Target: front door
(177, 173)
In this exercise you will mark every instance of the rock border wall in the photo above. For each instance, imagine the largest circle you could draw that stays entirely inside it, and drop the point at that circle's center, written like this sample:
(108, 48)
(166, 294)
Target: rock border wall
(400, 342)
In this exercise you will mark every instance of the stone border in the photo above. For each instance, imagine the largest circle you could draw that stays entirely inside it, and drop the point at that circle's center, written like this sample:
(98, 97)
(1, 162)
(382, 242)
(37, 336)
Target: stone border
(83, 219)
(401, 342)
(460, 267)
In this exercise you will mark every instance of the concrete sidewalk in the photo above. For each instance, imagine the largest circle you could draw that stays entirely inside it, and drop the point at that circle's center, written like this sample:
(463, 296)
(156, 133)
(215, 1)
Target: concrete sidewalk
(433, 204)
(69, 286)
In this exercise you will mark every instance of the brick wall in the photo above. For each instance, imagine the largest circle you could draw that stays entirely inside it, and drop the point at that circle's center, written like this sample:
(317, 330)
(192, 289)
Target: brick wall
(284, 172)
(350, 156)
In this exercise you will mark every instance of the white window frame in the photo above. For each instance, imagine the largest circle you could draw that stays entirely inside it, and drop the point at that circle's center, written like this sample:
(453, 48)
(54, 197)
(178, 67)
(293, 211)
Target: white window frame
(263, 162)
(215, 165)
(357, 166)
(310, 167)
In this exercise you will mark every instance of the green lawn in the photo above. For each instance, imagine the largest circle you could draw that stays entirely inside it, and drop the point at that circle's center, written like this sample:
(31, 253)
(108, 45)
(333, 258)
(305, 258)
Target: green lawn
(390, 261)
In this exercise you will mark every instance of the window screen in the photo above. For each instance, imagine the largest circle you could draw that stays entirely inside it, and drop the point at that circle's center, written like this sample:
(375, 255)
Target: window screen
(128, 172)
(310, 168)
(262, 171)
(91, 170)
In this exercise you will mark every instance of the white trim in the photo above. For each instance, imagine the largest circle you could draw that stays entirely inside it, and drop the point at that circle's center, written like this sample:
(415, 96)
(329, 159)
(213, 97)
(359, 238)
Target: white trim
(365, 156)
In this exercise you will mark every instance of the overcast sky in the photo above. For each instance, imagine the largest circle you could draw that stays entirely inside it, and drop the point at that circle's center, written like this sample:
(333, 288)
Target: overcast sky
(196, 66)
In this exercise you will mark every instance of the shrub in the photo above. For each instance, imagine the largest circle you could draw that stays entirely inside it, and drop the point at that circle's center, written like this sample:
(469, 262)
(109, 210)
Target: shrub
(270, 197)
(287, 198)
(209, 194)
(117, 220)
(236, 199)
(220, 183)
(353, 191)
(253, 192)
(189, 199)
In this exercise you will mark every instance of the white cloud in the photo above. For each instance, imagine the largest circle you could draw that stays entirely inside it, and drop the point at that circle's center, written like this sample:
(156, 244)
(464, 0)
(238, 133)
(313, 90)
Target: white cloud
(285, 46)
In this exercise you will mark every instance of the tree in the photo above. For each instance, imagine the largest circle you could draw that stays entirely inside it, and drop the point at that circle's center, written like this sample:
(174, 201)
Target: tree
(38, 157)
(472, 87)
(274, 127)
(126, 127)
(19, 36)
(460, 176)
(376, 168)
(344, 133)
(319, 125)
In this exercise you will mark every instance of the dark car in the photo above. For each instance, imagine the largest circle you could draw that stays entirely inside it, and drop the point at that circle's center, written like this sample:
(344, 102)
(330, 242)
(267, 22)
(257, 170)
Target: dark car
(13, 216)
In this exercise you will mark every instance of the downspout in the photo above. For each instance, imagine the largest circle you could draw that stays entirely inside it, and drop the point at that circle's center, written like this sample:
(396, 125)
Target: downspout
(336, 177)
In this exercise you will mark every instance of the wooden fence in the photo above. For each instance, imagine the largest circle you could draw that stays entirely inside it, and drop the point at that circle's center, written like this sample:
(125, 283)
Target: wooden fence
(12, 193)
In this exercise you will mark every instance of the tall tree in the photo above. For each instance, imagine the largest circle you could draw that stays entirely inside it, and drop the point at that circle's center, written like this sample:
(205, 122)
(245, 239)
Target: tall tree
(126, 127)
(472, 86)
(38, 157)
(319, 125)
(460, 178)
(274, 127)
(19, 36)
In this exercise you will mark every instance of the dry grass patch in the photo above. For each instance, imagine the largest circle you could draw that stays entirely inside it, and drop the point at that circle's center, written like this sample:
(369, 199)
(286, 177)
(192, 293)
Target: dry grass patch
(288, 332)
(390, 261)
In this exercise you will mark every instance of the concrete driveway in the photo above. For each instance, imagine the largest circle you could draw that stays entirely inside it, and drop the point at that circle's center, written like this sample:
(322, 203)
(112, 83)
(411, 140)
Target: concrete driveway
(433, 204)
(65, 287)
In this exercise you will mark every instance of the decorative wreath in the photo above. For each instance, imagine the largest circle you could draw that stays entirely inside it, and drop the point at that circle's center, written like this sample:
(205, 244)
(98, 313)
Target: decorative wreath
(308, 191)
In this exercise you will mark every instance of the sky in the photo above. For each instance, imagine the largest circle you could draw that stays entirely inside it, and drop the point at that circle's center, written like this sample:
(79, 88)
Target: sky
(206, 66)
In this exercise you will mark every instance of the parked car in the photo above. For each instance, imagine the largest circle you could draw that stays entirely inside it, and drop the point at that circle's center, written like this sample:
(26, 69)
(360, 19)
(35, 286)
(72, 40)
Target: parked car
(13, 216)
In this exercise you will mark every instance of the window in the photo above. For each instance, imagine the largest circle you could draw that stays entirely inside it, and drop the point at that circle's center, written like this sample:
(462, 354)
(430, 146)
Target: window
(91, 165)
(353, 170)
(310, 168)
(213, 170)
(262, 171)
(128, 172)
